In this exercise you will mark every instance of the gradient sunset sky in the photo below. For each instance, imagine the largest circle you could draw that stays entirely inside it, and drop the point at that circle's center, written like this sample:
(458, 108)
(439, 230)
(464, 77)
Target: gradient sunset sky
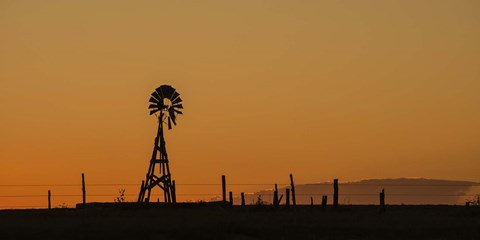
(322, 89)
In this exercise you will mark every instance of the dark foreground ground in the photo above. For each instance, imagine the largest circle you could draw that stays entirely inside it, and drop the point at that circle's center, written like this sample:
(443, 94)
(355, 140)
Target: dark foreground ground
(255, 222)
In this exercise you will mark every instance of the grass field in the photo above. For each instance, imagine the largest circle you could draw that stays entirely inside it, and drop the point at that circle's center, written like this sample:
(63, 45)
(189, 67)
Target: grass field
(253, 222)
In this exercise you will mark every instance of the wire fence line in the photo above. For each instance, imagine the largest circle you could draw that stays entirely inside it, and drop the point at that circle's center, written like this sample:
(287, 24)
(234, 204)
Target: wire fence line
(209, 194)
(245, 184)
(213, 194)
(346, 184)
(135, 184)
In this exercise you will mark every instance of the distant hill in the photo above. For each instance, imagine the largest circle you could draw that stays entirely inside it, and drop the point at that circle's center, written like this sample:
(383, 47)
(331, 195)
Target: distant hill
(397, 191)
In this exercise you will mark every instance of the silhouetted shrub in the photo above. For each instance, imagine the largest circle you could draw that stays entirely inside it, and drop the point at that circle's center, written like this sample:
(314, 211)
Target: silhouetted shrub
(475, 201)
(259, 201)
(121, 196)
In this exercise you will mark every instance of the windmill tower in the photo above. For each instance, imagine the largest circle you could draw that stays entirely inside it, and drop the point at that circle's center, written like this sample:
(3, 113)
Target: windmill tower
(165, 104)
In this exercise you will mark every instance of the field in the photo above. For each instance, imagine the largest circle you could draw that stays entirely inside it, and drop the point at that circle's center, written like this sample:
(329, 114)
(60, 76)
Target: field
(202, 221)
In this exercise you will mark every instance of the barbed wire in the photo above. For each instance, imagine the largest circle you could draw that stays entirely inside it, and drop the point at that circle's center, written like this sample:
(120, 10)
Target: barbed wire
(245, 184)
(217, 195)
(20, 206)
(252, 194)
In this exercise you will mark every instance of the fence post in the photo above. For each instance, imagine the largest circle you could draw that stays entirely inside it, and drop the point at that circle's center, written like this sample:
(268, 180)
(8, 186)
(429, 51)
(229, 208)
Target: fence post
(382, 200)
(84, 193)
(287, 197)
(275, 196)
(165, 198)
(292, 186)
(174, 195)
(142, 193)
(243, 199)
(224, 189)
(324, 202)
(231, 198)
(335, 193)
(49, 202)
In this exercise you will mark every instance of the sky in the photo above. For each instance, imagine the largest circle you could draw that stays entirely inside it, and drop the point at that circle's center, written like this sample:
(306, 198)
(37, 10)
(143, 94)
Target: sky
(321, 89)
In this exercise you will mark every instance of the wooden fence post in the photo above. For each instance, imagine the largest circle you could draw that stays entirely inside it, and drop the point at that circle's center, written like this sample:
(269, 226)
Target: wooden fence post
(335, 193)
(142, 193)
(174, 194)
(243, 199)
(49, 202)
(165, 198)
(275, 196)
(287, 197)
(324, 201)
(382, 200)
(231, 198)
(224, 189)
(292, 186)
(84, 193)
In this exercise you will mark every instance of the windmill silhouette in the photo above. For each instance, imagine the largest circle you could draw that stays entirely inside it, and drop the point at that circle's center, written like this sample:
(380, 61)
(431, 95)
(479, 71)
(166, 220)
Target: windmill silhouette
(165, 104)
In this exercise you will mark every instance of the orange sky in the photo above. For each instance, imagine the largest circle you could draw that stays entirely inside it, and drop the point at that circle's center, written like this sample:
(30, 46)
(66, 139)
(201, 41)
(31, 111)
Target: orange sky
(321, 89)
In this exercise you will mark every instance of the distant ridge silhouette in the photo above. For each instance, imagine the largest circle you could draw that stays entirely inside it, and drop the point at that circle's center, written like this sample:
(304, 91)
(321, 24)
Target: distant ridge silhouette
(398, 191)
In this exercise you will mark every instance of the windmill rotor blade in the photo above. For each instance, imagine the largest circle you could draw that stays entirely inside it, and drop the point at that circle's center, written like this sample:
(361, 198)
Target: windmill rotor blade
(169, 124)
(157, 96)
(157, 103)
(159, 92)
(153, 106)
(178, 106)
(154, 111)
(178, 100)
(167, 91)
(174, 96)
(153, 100)
(179, 112)
(171, 112)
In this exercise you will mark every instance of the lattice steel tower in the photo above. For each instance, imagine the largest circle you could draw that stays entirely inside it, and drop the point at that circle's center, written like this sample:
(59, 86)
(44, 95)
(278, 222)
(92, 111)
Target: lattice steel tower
(165, 104)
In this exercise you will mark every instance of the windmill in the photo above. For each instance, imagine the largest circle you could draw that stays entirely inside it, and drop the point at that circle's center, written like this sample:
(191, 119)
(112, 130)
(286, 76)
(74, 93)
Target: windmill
(165, 103)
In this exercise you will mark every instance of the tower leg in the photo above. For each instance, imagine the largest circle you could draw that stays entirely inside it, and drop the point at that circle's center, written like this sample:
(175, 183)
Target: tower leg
(163, 180)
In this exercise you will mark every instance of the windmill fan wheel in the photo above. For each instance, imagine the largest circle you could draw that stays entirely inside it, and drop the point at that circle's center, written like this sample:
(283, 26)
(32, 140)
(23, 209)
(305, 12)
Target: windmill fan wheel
(166, 101)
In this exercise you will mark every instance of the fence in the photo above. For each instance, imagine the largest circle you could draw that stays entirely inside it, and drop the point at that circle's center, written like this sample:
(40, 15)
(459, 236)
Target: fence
(67, 195)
